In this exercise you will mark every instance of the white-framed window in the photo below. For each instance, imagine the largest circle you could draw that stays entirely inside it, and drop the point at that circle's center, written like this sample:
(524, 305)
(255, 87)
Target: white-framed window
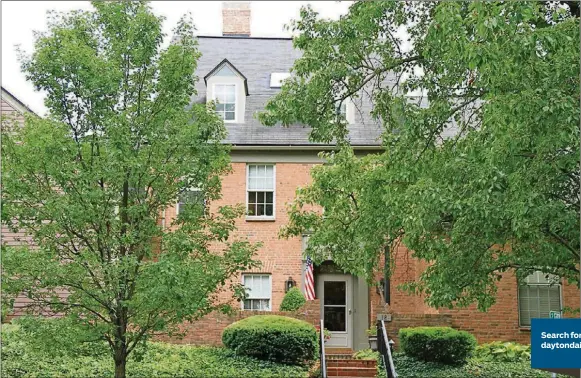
(538, 295)
(343, 110)
(258, 291)
(225, 97)
(189, 199)
(260, 190)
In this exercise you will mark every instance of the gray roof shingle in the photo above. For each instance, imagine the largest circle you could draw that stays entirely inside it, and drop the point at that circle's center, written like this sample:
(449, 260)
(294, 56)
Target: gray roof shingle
(256, 59)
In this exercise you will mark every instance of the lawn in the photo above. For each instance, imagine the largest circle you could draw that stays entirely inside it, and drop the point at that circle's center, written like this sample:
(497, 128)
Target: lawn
(22, 359)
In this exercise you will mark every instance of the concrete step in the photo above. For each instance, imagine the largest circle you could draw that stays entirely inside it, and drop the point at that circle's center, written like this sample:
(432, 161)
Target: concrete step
(351, 372)
(352, 363)
(329, 351)
(339, 356)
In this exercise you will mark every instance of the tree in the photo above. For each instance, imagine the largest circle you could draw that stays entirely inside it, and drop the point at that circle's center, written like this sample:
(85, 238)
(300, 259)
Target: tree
(90, 182)
(479, 174)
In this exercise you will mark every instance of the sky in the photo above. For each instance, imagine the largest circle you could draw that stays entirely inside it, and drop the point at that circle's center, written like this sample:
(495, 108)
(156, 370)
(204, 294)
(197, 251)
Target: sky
(21, 18)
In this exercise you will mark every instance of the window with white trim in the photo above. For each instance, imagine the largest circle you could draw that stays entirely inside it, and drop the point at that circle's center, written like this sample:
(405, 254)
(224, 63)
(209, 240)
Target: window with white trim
(225, 97)
(538, 295)
(343, 110)
(258, 291)
(260, 190)
(191, 199)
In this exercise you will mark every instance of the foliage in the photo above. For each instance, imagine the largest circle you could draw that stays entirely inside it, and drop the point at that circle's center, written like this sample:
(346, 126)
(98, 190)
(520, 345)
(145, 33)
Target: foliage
(89, 182)
(437, 344)
(326, 333)
(372, 331)
(274, 338)
(478, 172)
(6, 309)
(503, 352)
(366, 354)
(22, 359)
(55, 337)
(315, 370)
(409, 367)
(293, 300)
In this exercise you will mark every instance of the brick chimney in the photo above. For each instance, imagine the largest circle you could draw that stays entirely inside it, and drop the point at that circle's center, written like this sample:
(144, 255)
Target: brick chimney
(236, 19)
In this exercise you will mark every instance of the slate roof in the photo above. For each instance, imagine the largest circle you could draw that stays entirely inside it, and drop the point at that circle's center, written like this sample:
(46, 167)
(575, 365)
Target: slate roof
(256, 59)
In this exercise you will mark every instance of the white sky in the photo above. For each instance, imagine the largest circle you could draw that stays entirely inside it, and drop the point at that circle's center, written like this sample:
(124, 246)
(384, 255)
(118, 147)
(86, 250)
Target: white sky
(21, 18)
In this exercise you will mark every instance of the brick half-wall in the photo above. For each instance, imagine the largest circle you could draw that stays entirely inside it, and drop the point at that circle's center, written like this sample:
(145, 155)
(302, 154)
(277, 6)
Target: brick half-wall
(208, 330)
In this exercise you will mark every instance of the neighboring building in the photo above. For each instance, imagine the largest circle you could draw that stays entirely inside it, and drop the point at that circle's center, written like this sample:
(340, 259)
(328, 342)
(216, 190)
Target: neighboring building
(12, 110)
(242, 72)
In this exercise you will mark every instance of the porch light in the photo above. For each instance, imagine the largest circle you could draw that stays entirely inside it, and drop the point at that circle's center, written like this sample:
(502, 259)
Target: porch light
(289, 284)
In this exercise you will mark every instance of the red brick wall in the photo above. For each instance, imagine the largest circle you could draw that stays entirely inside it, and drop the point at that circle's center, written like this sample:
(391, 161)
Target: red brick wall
(282, 258)
(500, 322)
(208, 331)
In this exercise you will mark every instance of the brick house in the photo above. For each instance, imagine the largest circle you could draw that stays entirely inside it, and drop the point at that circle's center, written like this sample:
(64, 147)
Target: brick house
(242, 72)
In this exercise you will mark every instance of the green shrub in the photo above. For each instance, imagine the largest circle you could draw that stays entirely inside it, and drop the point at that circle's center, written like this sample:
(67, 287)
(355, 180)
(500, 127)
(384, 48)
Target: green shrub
(372, 331)
(503, 352)
(272, 337)
(437, 344)
(293, 300)
(20, 360)
(366, 354)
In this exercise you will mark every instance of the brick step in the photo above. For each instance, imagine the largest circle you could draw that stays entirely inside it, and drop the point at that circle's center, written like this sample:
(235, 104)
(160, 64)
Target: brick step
(352, 363)
(351, 372)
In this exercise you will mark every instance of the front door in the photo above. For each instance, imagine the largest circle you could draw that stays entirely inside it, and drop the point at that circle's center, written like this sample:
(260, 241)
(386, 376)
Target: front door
(334, 291)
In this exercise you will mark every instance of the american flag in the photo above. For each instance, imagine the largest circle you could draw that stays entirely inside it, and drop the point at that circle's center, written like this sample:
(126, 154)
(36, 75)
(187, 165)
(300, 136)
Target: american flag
(309, 280)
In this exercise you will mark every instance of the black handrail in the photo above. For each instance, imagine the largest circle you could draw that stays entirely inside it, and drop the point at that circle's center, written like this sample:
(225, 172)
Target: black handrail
(384, 349)
(322, 344)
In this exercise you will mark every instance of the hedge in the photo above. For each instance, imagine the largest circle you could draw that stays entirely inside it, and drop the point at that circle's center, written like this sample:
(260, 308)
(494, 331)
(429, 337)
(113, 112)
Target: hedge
(293, 300)
(437, 344)
(273, 338)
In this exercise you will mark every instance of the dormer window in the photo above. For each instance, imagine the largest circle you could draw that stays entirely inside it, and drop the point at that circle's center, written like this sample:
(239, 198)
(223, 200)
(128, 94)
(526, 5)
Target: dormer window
(228, 88)
(225, 97)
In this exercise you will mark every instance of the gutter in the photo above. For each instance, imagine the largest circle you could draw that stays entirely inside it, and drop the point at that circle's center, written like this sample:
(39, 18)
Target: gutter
(291, 147)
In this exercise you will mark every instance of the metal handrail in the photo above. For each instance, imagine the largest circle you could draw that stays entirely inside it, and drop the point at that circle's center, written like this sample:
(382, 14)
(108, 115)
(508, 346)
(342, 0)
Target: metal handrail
(384, 349)
(323, 361)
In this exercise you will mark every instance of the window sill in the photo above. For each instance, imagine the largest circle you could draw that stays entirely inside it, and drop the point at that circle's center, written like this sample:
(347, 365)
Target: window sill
(259, 219)
(249, 310)
(524, 329)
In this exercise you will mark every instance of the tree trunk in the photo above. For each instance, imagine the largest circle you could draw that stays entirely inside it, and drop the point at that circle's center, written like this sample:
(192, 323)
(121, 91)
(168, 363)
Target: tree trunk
(120, 362)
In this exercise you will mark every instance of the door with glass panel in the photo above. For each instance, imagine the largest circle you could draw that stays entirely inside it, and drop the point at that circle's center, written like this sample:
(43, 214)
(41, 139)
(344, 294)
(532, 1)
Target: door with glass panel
(334, 291)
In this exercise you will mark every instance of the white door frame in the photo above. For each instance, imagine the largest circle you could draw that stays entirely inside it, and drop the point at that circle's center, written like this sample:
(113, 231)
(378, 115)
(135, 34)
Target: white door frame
(339, 339)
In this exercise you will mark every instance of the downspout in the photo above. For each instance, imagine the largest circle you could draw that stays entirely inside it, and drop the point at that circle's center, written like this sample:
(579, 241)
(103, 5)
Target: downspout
(386, 274)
